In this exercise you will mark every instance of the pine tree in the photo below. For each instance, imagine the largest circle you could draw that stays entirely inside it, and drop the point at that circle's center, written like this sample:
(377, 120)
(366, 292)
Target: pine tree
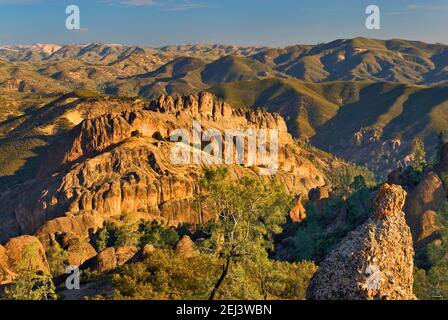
(57, 259)
(418, 150)
(248, 212)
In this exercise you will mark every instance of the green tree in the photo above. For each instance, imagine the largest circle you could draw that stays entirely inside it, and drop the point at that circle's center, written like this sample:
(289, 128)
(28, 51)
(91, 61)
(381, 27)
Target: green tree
(128, 235)
(327, 223)
(57, 258)
(248, 212)
(158, 236)
(349, 178)
(102, 239)
(418, 150)
(433, 283)
(166, 275)
(440, 143)
(29, 283)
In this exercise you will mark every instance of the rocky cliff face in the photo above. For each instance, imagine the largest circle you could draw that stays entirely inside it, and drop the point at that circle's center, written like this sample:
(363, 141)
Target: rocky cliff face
(424, 199)
(113, 164)
(422, 203)
(373, 262)
(369, 147)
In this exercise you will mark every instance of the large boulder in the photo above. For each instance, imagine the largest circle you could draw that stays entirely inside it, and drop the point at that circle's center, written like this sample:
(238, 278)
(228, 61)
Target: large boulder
(26, 252)
(6, 275)
(80, 251)
(105, 261)
(373, 262)
(124, 254)
(79, 226)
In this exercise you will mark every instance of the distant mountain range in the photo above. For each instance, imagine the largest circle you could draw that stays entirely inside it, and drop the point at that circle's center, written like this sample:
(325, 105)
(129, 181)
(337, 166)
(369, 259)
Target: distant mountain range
(361, 99)
(394, 60)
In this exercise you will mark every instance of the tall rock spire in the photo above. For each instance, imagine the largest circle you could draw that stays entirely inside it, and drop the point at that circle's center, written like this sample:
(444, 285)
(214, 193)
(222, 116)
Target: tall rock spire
(375, 261)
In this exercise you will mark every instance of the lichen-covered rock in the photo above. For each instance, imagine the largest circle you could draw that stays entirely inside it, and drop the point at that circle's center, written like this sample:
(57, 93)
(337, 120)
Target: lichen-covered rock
(389, 201)
(373, 262)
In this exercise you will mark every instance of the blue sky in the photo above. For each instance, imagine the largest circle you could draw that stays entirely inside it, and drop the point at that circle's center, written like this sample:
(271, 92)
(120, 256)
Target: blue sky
(243, 22)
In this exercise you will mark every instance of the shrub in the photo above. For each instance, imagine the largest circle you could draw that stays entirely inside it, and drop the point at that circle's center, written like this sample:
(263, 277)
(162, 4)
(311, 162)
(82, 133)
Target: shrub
(86, 94)
(128, 235)
(158, 136)
(166, 275)
(57, 259)
(105, 237)
(102, 240)
(158, 236)
(433, 282)
(136, 133)
(444, 178)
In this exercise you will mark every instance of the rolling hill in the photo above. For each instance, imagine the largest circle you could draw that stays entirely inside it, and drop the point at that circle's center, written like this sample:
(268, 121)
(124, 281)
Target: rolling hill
(393, 60)
(186, 74)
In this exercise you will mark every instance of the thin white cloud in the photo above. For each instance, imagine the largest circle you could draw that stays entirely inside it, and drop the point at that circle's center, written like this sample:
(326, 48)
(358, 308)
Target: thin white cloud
(130, 3)
(18, 1)
(165, 5)
(137, 3)
(187, 5)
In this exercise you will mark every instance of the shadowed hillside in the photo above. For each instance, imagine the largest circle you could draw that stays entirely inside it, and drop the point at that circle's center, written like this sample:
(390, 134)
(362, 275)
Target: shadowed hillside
(186, 74)
(362, 59)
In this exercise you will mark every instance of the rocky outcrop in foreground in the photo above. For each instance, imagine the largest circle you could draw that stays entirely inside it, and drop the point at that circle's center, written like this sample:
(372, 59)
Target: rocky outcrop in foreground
(373, 262)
